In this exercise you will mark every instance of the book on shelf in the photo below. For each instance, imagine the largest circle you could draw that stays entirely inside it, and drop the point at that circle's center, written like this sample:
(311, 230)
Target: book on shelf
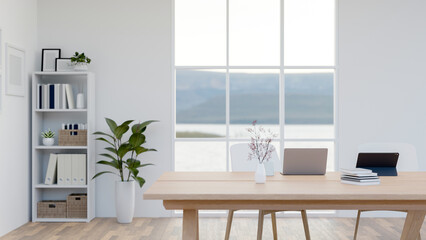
(51, 170)
(55, 96)
(66, 169)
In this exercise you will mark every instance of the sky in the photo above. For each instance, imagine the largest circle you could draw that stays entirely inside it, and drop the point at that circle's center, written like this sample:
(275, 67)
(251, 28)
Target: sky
(254, 32)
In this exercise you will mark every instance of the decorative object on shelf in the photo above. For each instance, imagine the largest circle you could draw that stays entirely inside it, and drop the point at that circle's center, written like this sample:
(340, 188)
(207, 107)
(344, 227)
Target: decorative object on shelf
(15, 71)
(52, 209)
(80, 101)
(80, 61)
(48, 59)
(121, 150)
(77, 205)
(48, 138)
(72, 138)
(64, 65)
(261, 149)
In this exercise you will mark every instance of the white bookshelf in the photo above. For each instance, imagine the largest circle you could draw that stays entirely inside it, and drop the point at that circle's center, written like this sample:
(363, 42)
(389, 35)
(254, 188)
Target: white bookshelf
(43, 119)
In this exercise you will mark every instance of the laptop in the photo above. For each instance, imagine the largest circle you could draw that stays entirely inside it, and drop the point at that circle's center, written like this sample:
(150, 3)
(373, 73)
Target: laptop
(305, 161)
(384, 164)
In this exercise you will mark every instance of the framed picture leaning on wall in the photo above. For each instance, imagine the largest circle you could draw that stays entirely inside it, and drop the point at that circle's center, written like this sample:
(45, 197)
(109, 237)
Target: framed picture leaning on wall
(15, 71)
(48, 59)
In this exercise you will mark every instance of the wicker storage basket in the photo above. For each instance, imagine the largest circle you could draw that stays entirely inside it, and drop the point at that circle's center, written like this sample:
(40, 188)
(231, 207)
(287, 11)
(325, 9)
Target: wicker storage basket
(72, 137)
(77, 205)
(52, 209)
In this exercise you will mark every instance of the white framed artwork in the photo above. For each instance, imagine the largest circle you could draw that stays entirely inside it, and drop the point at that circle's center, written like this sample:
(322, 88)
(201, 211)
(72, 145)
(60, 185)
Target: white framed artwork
(15, 71)
(1, 53)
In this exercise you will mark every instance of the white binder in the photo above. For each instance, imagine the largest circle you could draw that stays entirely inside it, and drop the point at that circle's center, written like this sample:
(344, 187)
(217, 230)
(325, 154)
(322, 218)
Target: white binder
(64, 169)
(51, 170)
(79, 169)
(70, 96)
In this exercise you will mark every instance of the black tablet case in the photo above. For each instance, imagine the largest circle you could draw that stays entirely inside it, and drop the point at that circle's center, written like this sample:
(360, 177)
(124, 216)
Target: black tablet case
(384, 164)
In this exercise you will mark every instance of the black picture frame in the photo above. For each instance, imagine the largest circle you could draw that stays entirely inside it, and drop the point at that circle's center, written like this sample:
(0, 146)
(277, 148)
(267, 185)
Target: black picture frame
(53, 63)
(56, 64)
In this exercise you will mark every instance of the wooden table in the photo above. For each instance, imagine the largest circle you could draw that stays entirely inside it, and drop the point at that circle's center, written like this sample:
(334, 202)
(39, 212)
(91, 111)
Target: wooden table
(224, 190)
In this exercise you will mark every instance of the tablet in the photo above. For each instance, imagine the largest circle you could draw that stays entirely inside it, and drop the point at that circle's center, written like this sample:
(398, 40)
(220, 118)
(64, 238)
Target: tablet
(383, 163)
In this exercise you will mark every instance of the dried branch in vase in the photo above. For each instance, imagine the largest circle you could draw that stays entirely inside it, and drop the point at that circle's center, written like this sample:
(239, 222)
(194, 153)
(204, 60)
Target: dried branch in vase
(260, 145)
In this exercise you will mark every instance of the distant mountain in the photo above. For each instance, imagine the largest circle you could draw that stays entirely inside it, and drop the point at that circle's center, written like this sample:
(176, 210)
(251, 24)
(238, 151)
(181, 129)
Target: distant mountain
(200, 98)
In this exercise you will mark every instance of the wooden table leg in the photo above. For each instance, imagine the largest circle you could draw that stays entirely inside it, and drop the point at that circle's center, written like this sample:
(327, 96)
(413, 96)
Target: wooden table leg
(190, 224)
(413, 223)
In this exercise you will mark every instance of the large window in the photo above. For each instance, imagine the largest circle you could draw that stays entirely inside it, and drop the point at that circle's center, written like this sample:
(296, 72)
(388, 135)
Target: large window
(242, 60)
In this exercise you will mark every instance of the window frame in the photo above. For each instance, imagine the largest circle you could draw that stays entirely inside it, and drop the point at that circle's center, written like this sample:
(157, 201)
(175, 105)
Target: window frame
(282, 67)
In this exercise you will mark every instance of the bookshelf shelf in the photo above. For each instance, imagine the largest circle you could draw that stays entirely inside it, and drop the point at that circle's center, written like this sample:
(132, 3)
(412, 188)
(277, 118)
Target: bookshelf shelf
(61, 220)
(59, 186)
(43, 119)
(59, 147)
(60, 110)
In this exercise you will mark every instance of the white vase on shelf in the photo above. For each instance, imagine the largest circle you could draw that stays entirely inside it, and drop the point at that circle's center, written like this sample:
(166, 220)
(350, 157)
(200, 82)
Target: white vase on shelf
(81, 67)
(48, 141)
(260, 174)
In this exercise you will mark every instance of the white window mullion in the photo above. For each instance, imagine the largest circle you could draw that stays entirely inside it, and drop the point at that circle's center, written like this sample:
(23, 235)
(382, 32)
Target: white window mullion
(282, 81)
(227, 87)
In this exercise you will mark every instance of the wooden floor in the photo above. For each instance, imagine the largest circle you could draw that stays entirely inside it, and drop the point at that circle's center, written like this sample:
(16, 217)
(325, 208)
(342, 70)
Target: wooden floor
(211, 228)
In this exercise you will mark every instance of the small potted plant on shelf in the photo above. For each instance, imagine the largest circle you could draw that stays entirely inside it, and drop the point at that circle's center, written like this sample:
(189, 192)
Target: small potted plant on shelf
(123, 156)
(261, 149)
(80, 61)
(48, 137)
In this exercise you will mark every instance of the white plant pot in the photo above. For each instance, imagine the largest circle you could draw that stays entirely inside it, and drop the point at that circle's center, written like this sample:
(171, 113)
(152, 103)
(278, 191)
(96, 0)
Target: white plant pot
(48, 141)
(82, 67)
(125, 201)
(260, 174)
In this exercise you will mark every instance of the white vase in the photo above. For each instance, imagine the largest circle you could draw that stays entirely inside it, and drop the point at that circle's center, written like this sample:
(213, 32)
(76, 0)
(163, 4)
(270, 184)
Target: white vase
(81, 67)
(125, 201)
(269, 168)
(48, 141)
(260, 175)
(80, 101)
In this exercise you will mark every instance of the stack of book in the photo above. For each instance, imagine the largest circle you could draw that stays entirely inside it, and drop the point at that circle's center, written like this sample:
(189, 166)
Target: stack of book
(359, 176)
(55, 96)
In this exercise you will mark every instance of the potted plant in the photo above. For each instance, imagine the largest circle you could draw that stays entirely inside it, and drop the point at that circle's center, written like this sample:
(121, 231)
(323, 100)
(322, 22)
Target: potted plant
(48, 137)
(261, 149)
(80, 61)
(123, 156)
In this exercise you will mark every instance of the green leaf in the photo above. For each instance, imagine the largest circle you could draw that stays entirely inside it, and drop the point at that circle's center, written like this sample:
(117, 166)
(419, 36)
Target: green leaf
(108, 156)
(113, 164)
(134, 171)
(105, 134)
(113, 150)
(112, 125)
(140, 180)
(141, 127)
(123, 150)
(120, 130)
(103, 139)
(136, 139)
(98, 174)
(147, 164)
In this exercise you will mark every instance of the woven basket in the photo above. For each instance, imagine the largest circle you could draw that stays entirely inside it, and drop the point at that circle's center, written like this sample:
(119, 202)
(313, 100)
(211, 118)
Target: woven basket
(77, 205)
(72, 137)
(52, 209)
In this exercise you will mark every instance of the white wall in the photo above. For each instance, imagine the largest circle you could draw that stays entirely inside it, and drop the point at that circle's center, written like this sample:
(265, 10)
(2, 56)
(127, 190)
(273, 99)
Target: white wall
(382, 57)
(130, 46)
(382, 49)
(382, 82)
(18, 21)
